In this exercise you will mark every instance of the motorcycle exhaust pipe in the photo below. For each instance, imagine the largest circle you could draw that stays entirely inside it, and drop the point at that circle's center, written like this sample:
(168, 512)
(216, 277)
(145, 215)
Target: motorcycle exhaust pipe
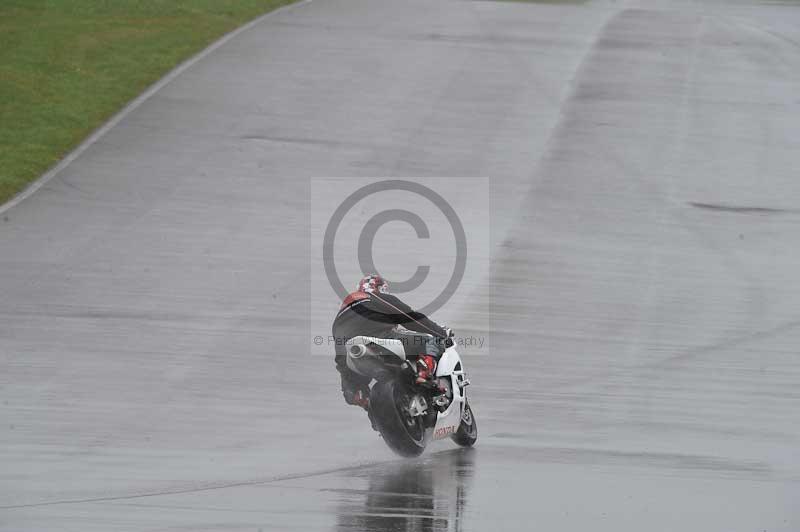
(358, 351)
(363, 360)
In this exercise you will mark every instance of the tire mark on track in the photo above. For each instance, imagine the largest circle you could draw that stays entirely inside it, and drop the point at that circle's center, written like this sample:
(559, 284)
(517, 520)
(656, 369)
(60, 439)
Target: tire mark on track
(741, 208)
(210, 486)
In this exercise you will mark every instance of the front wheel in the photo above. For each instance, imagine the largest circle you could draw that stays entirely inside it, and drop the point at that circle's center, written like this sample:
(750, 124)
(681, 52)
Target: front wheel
(403, 433)
(467, 433)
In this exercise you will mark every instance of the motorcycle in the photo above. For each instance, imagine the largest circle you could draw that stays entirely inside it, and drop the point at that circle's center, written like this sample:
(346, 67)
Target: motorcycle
(409, 415)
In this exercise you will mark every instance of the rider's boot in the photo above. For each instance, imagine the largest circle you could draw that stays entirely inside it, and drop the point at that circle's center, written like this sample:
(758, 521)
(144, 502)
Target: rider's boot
(426, 369)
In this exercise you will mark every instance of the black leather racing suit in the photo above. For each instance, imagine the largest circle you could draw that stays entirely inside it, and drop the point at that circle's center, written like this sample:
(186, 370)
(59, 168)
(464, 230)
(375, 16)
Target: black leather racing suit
(378, 315)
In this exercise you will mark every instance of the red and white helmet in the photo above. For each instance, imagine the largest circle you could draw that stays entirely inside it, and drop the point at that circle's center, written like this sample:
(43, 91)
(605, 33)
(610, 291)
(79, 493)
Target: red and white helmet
(373, 283)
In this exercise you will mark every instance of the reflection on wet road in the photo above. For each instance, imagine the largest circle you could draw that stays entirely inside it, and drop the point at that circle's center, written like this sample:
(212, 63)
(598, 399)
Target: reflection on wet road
(426, 495)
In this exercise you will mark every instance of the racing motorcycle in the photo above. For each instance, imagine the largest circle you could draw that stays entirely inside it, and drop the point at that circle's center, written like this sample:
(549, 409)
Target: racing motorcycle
(409, 415)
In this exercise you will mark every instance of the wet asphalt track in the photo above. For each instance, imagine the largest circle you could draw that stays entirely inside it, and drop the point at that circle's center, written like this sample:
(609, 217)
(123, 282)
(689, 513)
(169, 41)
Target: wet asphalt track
(646, 302)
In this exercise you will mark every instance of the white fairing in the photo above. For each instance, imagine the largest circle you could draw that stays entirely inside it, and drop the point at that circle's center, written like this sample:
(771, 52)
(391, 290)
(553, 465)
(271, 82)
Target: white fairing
(448, 421)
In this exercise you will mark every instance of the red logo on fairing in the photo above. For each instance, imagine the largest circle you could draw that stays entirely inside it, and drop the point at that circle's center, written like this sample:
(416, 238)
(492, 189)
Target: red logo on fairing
(444, 431)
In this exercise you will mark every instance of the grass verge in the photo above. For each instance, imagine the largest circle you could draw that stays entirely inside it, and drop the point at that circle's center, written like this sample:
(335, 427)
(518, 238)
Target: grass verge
(66, 66)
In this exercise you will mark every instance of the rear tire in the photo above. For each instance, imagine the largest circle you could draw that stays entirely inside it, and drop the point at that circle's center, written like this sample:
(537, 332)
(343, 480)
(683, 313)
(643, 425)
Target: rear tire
(403, 434)
(467, 433)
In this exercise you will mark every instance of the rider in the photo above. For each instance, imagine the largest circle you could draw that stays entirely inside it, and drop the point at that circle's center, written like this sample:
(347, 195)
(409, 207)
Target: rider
(372, 311)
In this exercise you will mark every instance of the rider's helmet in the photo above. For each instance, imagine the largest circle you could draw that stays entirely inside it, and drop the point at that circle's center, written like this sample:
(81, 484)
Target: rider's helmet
(373, 283)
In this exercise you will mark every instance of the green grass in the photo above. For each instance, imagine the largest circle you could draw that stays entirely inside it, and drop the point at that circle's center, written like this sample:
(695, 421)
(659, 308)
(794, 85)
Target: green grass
(66, 66)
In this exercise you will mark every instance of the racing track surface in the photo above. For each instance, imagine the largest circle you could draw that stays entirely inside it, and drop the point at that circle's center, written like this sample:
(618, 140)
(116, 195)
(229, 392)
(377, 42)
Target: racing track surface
(646, 305)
